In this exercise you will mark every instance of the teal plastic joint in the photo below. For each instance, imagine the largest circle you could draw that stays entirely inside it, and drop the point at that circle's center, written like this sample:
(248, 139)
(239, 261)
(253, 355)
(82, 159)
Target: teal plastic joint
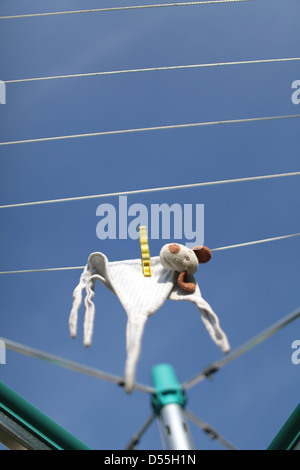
(167, 388)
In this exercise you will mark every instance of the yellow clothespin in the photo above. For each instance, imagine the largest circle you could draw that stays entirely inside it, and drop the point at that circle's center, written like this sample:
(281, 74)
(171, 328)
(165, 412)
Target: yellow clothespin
(145, 251)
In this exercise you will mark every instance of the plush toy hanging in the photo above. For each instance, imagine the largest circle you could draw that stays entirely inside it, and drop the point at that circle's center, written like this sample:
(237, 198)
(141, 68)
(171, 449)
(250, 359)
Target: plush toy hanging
(171, 278)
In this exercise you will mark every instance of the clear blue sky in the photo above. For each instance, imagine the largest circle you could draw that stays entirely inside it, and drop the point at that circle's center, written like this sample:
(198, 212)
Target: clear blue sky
(249, 288)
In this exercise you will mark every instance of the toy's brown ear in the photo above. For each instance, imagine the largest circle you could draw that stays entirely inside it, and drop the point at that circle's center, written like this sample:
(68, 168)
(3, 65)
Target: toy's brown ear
(185, 284)
(203, 253)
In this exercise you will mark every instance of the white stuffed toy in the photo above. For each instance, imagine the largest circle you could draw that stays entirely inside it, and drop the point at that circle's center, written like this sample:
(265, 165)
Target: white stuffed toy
(171, 278)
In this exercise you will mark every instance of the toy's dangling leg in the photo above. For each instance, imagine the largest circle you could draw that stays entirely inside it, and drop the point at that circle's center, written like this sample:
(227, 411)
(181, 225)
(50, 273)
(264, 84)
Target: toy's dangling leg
(77, 299)
(88, 325)
(134, 333)
(212, 324)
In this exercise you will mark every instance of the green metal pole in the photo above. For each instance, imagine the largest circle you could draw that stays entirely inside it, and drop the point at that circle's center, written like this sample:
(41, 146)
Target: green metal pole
(36, 422)
(288, 438)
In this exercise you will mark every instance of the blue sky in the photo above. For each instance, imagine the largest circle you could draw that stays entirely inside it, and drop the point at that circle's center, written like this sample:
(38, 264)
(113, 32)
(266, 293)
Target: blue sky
(249, 288)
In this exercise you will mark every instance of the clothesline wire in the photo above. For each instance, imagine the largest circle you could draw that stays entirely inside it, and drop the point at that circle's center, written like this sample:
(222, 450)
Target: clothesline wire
(222, 248)
(256, 242)
(154, 69)
(150, 190)
(145, 129)
(122, 8)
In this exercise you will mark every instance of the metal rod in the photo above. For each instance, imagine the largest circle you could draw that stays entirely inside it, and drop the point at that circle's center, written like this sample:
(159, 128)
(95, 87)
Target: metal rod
(33, 422)
(136, 438)
(29, 351)
(209, 430)
(215, 366)
(288, 438)
(16, 437)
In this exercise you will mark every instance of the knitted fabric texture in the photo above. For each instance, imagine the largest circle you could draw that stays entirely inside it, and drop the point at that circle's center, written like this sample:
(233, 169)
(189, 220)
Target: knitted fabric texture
(140, 297)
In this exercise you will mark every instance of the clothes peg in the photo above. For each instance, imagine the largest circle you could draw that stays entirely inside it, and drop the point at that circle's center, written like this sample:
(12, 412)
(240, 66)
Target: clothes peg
(145, 251)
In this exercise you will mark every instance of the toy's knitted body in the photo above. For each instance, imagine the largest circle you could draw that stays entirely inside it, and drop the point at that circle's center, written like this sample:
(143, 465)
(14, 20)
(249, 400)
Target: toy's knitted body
(141, 297)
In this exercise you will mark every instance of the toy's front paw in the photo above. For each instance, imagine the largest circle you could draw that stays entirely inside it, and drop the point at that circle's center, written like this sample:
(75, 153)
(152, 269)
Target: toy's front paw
(185, 284)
